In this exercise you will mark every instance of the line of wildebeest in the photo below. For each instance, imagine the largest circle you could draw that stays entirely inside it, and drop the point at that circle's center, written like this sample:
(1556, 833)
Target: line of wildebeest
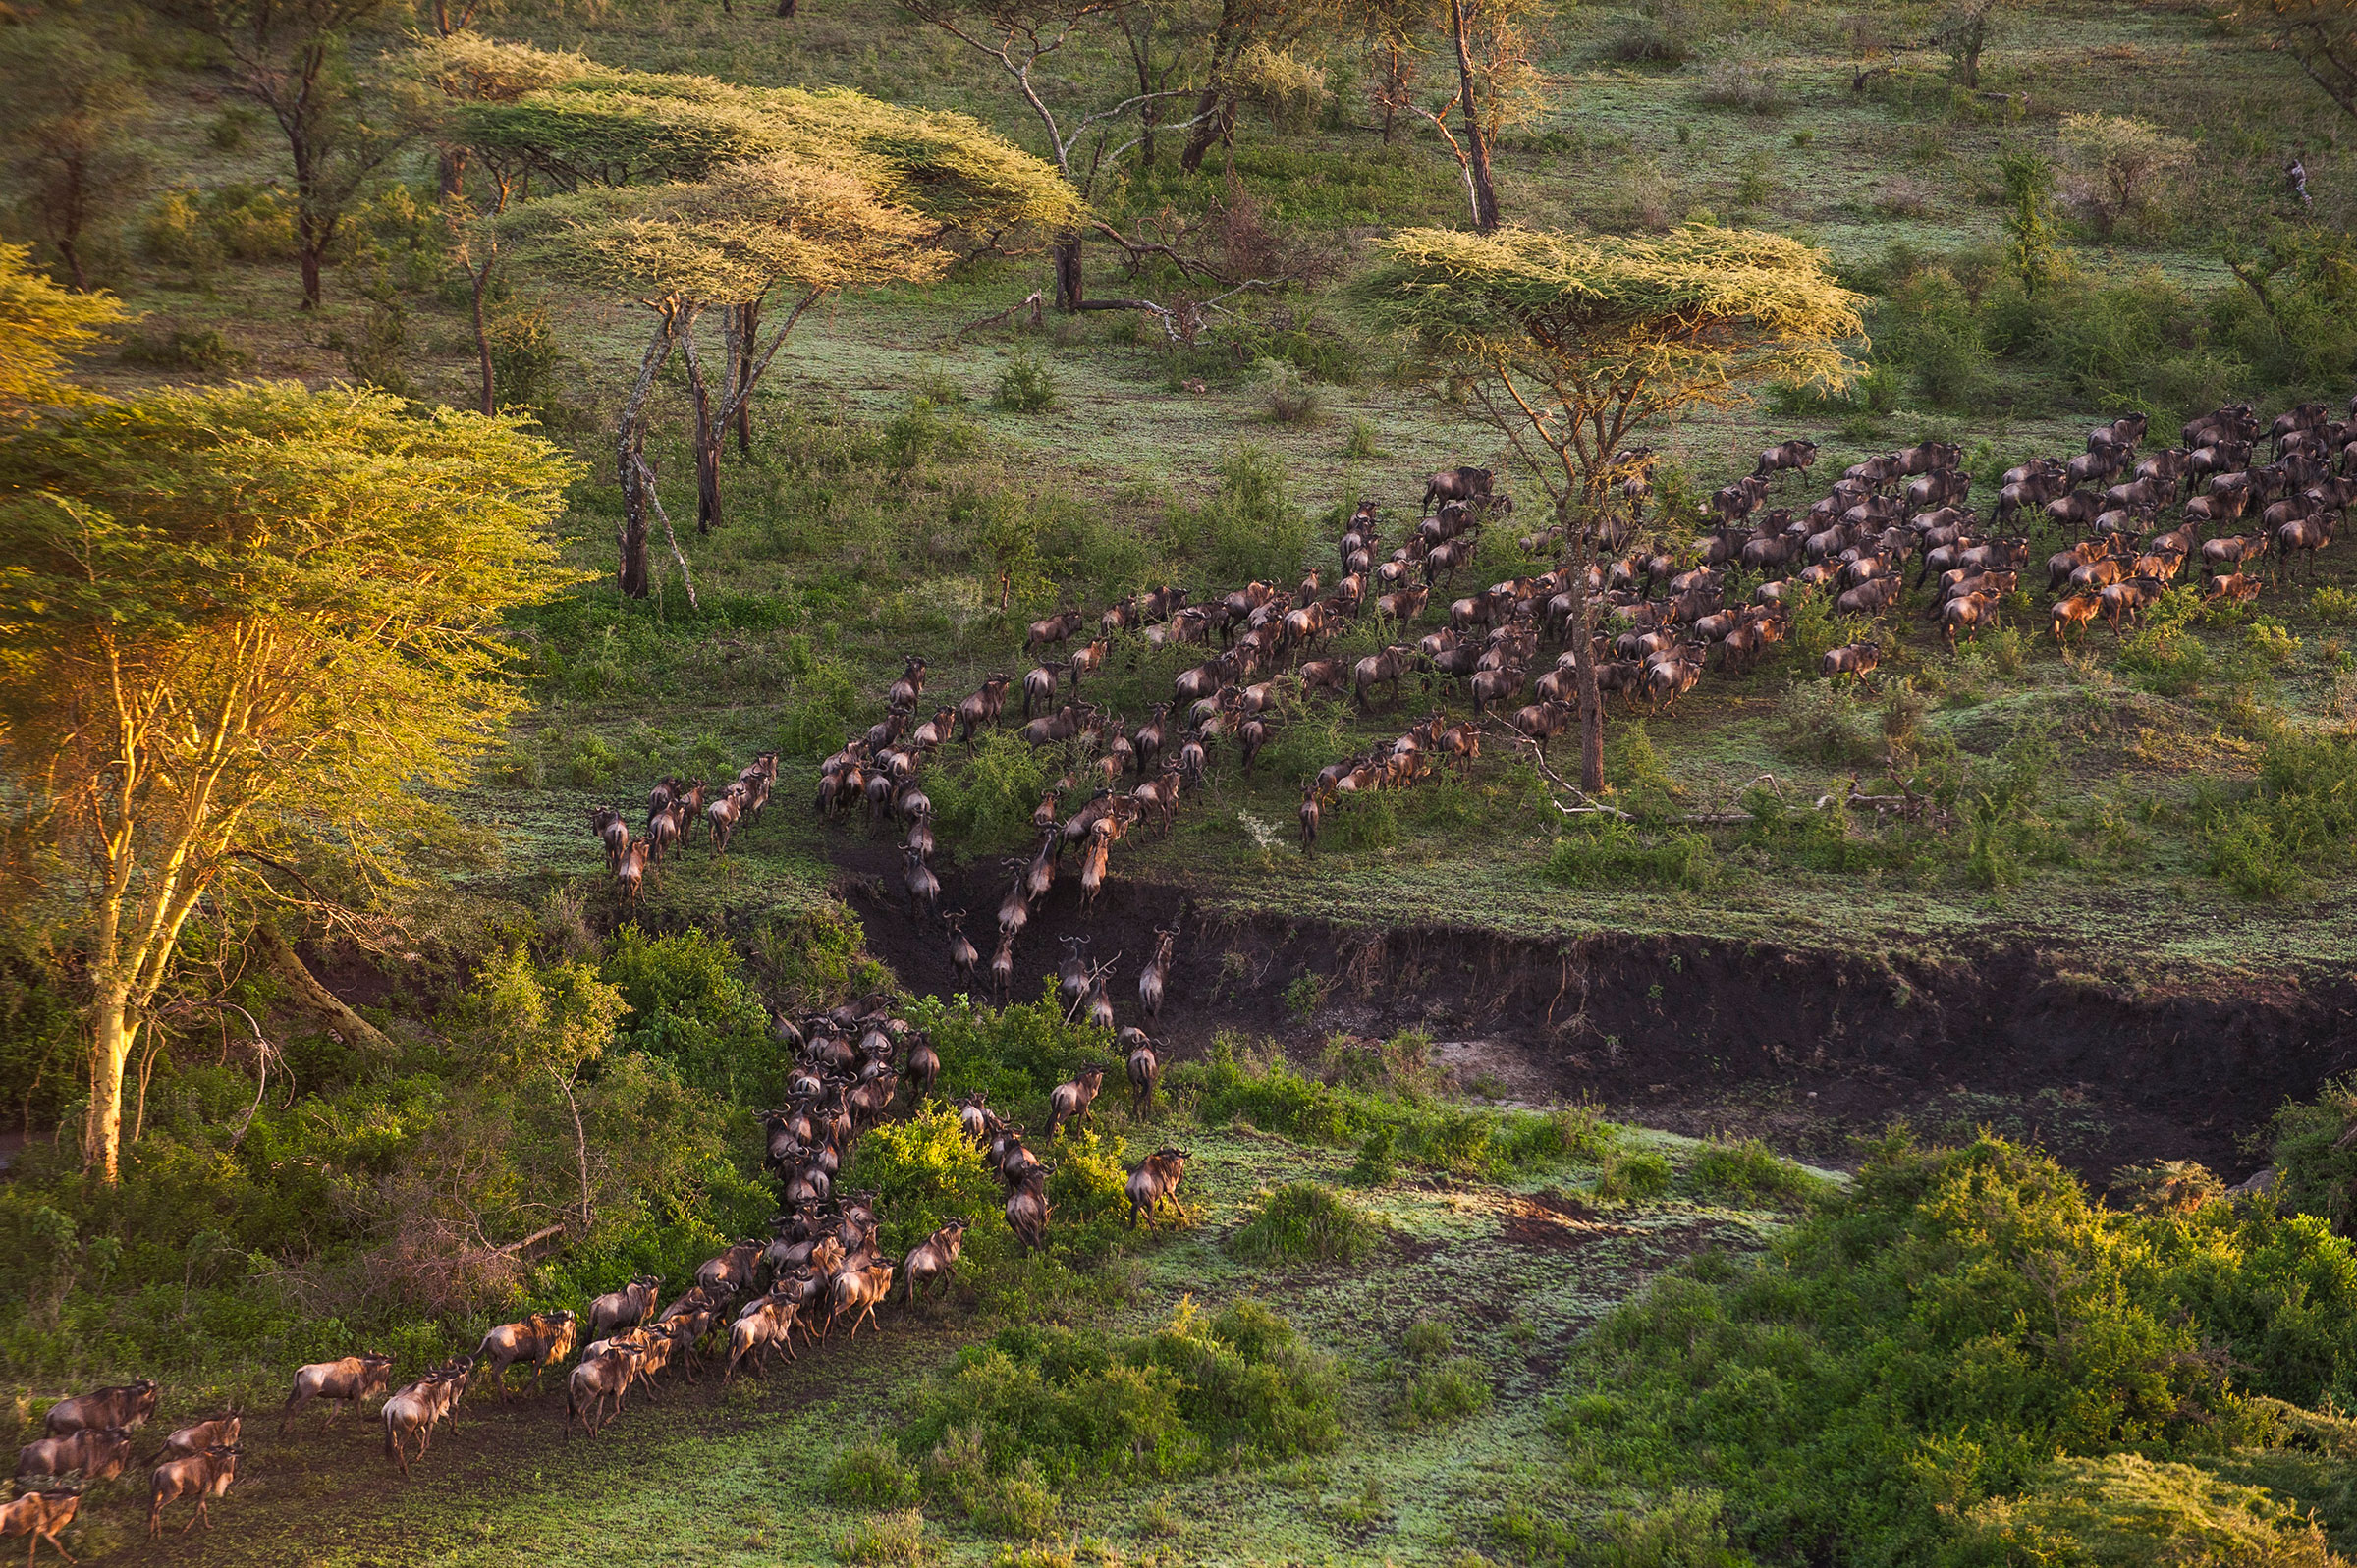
(819, 1267)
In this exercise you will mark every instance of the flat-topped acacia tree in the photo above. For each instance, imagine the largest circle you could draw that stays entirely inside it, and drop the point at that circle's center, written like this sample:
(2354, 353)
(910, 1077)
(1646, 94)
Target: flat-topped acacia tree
(769, 190)
(1568, 344)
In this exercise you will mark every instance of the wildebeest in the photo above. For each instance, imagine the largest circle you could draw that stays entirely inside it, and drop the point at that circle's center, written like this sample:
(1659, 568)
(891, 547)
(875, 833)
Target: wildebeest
(40, 1515)
(1380, 668)
(411, 1415)
(203, 1435)
(203, 1476)
(347, 1381)
(1794, 456)
(2074, 610)
(1456, 484)
(934, 1258)
(94, 1453)
(626, 1307)
(1857, 660)
(858, 1291)
(985, 706)
(129, 1406)
(599, 1378)
(1145, 1071)
(613, 833)
(1070, 1100)
(1156, 1177)
(765, 1324)
(1056, 629)
(539, 1342)
(1028, 1207)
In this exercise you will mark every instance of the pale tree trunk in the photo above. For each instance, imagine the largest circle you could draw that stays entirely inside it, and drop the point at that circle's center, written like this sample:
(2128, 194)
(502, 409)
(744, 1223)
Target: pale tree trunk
(580, 1145)
(631, 572)
(115, 1027)
(1576, 541)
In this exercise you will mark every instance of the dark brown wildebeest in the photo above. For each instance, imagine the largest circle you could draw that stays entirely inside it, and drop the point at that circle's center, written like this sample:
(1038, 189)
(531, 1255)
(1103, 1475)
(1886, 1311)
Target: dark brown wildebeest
(766, 1322)
(1156, 1178)
(1380, 668)
(983, 707)
(203, 1476)
(1966, 612)
(196, 1439)
(964, 956)
(1456, 484)
(540, 1341)
(1857, 660)
(613, 833)
(626, 1307)
(1054, 631)
(1794, 456)
(40, 1515)
(1027, 1208)
(2311, 533)
(2235, 588)
(907, 690)
(129, 1406)
(94, 1453)
(1155, 978)
(411, 1415)
(1144, 1067)
(934, 1258)
(1070, 1100)
(924, 888)
(1040, 686)
(1309, 814)
(600, 1378)
(2125, 601)
(346, 1381)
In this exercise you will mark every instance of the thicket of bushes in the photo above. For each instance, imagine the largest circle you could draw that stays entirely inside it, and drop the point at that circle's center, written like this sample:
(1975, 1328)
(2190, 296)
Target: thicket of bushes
(1923, 1347)
(1038, 1411)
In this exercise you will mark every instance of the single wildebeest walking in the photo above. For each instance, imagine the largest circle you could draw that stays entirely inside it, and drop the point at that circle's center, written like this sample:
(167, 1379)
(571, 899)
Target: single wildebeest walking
(1070, 1102)
(934, 1258)
(540, 1341)
(1156, 1177)
(129, 1406)
(203, 1476)
(40, 1515)
(346, 1381)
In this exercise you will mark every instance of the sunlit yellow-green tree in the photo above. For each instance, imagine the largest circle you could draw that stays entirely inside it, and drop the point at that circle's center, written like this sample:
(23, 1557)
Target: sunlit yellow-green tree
(1568, 344)
(237, 620)
(41, 328)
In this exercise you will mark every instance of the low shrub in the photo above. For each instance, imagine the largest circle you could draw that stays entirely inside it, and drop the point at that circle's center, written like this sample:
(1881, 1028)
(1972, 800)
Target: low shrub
(887, 1539)
(206, 352)
(1436, 1389)
(2299, 820)
(1432, 1137)
(1616, 853)
(1038, 1406)
(1025, 384)
(1305, 1221)
(1750, 1169)
(1638, 1173)
(871, 1475)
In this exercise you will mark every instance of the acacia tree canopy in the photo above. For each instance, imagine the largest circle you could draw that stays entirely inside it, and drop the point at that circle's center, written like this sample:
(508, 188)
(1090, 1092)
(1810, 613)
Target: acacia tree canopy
(41, 327)
(1569, 344)
(1570, 341)
(240, 618)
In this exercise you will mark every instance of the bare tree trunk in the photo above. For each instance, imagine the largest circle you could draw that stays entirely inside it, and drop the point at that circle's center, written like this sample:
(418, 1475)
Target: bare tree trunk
(632, 573)
(748, 335)
(1227, 40)
(481, 279)
(1477, 146)
(1071, 289)
(708, 435)
(580, 1145)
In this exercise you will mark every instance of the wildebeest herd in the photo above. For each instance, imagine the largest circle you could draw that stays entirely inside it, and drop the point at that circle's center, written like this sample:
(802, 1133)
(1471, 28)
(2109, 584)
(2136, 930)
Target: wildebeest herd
(819, 1268)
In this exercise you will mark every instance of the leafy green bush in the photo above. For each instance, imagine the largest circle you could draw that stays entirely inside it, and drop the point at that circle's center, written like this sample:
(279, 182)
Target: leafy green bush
(691, 1006)
(1610, 852)
(1431, 1137)
(1013, 1053)
(1025, 384)
(1306, 1221)
(1252, 528)
(871, 1475)
(925, 1173)
(1750, 1169)
(2300, 820)
(2315, 1172)
(897, 1540)
(2126, 1511)
(206, 352)
(1079, 1405)
(1934, 1336)
(1637, 1174)
(988, 801)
